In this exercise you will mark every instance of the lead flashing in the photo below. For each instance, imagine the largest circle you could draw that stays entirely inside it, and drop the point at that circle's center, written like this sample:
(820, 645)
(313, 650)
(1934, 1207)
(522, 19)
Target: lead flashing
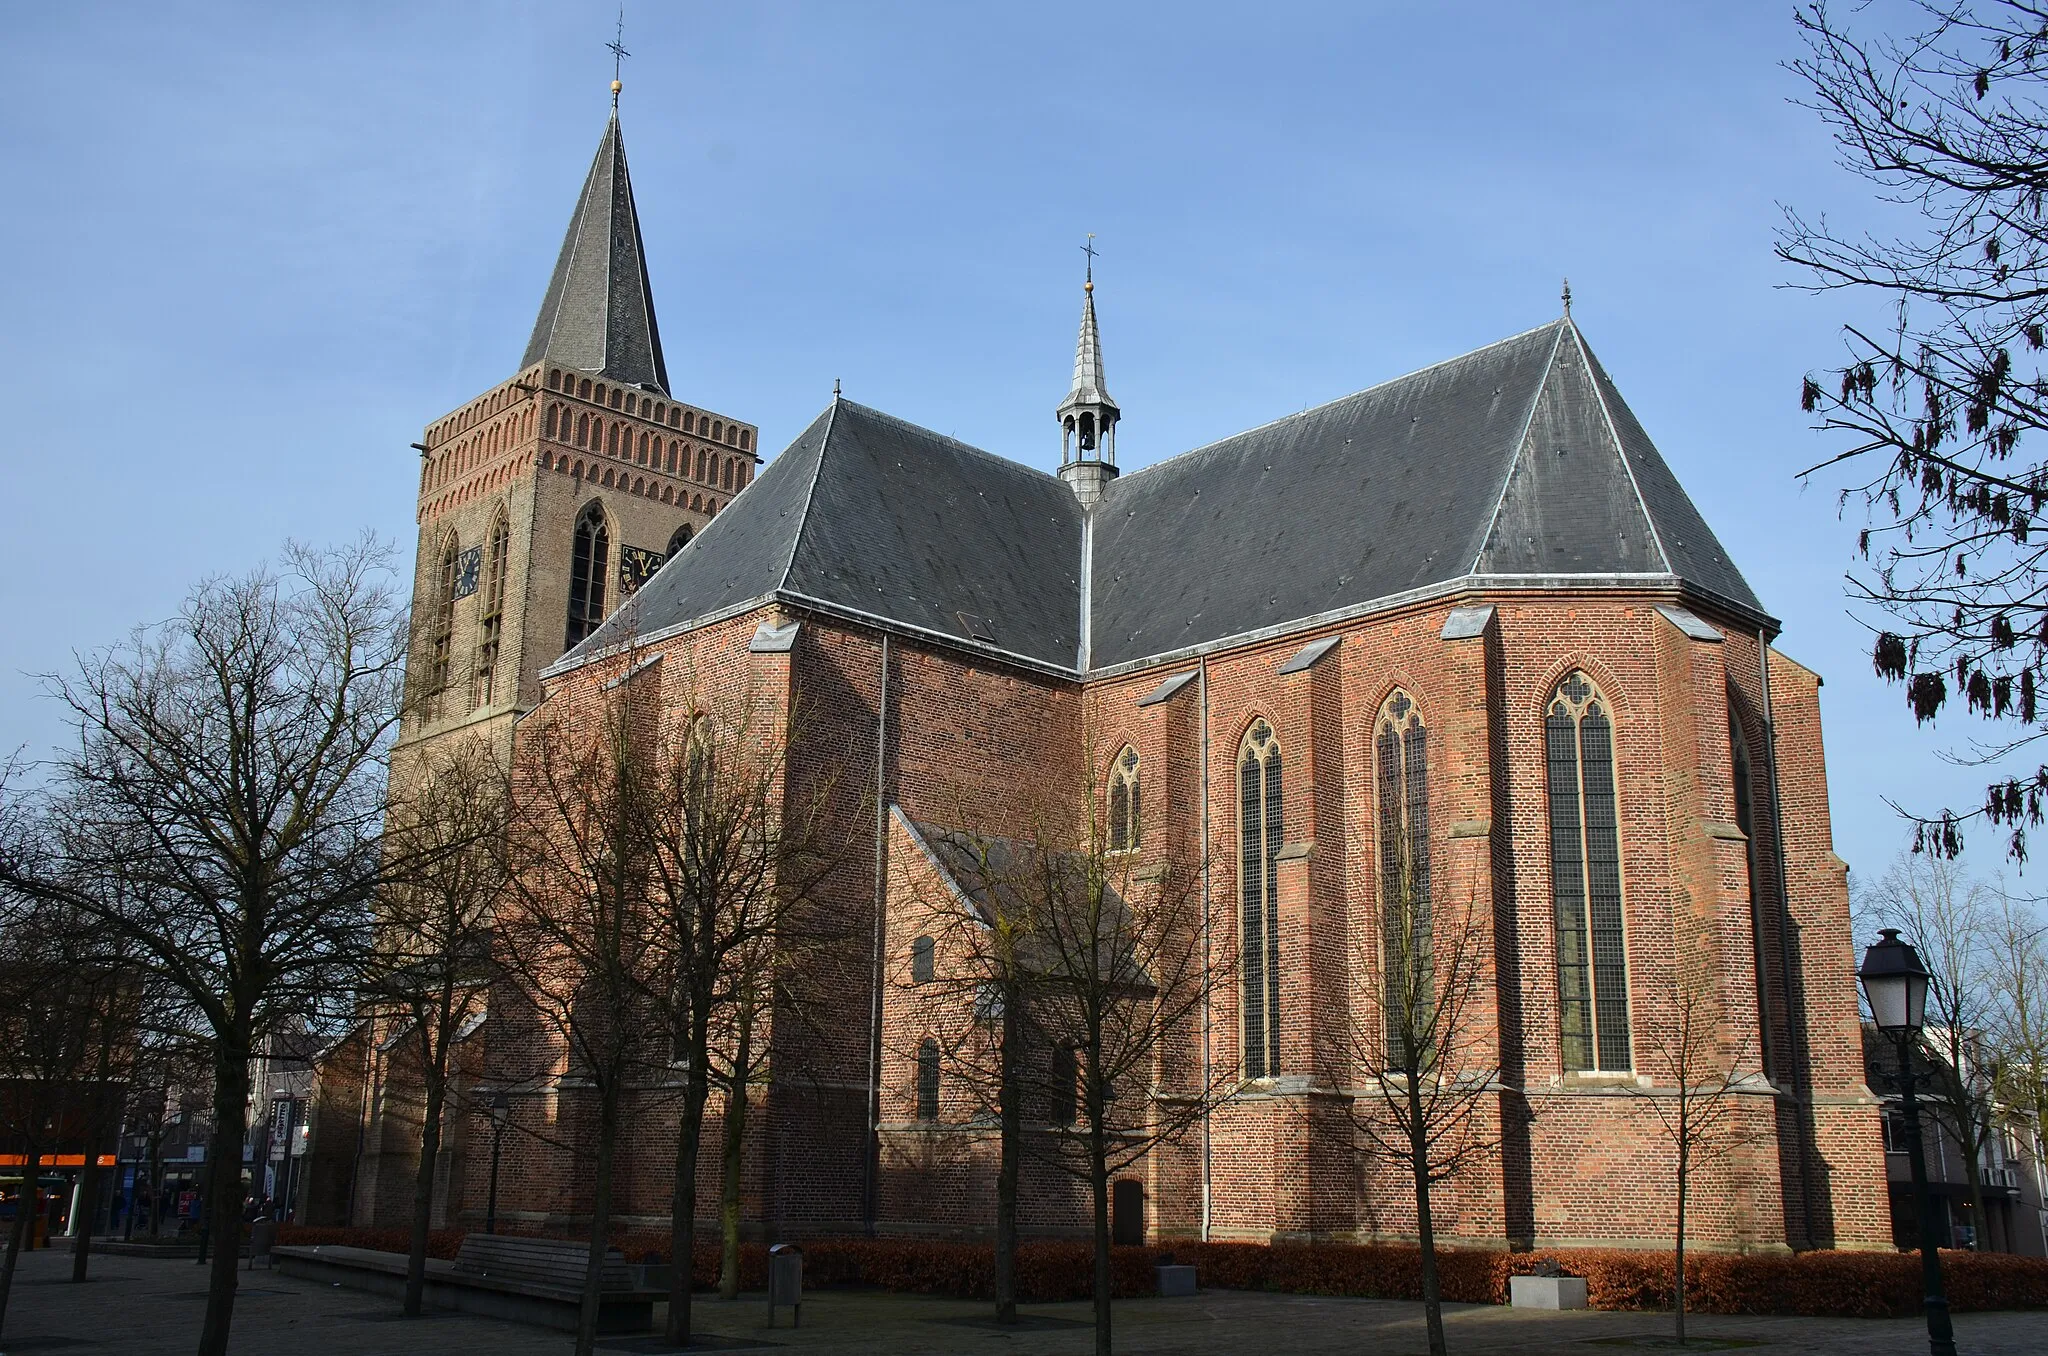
(1306, 657)
(1166, 690)
(1466, 623)
(771, 639)
(1690, 624)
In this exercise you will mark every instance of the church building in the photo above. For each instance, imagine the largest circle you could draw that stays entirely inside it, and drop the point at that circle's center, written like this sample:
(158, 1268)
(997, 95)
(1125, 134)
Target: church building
(1470, 607)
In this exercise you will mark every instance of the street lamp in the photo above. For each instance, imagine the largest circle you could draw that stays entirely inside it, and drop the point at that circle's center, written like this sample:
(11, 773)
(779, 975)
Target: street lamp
(1895, 984)
(500, 1107)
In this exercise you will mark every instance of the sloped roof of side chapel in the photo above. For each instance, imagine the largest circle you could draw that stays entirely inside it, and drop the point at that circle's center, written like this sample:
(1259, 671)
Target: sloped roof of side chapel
(1517, 463)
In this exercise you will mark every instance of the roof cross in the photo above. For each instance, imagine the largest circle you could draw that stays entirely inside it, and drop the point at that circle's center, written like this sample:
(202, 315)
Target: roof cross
(1090, 250)
(617, 47)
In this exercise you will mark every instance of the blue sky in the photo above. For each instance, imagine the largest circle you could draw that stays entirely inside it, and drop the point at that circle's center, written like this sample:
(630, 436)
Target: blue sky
(252, 249)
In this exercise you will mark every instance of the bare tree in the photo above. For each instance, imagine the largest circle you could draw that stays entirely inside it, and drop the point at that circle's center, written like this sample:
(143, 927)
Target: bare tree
(432, 967)
(1938, 402)
(731, 875)
(1105, 952)
(1946, 914)
(2017, 967)
(228, 767)
(575, 930)
(1708, 1071)
(1420, 1049)
(971, 955)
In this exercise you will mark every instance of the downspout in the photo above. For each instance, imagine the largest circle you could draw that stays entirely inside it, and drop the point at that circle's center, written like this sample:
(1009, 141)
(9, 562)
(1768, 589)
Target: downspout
(1208, 963)
(1801, 1089)
(871, 1161)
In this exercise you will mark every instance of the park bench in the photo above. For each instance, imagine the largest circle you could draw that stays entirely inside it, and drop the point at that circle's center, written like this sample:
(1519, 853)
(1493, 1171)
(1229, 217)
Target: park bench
(526, 1280)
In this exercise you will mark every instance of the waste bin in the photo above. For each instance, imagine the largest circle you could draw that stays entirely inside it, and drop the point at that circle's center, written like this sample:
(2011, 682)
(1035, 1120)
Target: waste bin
(786, 1281)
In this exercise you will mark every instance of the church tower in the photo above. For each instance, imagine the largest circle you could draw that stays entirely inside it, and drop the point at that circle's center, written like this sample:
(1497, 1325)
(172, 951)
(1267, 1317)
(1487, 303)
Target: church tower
(1088, 416)
(549, 499)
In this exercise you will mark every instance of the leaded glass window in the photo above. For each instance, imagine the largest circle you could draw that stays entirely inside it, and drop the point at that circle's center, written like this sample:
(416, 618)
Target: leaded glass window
(441, 638)
(1123, 801)
(923, 955)
(491, 615)
(1259, 838)
(928, 1080)
(1585, 879)
(1401, 753)
(589, 560)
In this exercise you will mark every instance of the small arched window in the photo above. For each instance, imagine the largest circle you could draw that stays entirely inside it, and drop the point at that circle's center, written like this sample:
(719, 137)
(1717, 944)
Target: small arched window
(554, 413)
(589, 561)
(1401, 752)
(582, 430)
(554, 379)
(491, 612)
(1585, 879)
(679, 541)
(923, 960)
(583, 388)
(746, 439)
(674, 450)
(701, 462)
(1258, 884)
(726, 478)
(611, 440)
(1123, 801)
(640, 451)
(928, 1080)
(689, 421)
(717, 430)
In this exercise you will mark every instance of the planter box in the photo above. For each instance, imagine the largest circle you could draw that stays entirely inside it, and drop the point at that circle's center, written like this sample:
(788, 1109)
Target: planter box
(1176, 1280)
(1547, 1292)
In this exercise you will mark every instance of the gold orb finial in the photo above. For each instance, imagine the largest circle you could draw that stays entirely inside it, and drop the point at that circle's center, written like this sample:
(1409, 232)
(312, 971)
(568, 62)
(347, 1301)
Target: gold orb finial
(1088, 286)
(617, 86)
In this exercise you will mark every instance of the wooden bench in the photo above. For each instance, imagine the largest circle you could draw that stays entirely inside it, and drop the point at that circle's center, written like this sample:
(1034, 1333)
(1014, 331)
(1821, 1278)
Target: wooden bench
(526, 1280)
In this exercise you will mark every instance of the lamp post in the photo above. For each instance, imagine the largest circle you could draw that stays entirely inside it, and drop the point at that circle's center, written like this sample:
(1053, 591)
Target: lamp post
(500, 1107)
(1895, 984)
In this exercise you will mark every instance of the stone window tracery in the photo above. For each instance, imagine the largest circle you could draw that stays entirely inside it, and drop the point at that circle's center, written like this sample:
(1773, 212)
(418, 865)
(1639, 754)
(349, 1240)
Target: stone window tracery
(928, 1080)
(589, 559)
(1401, 756)
(1585, 879)
(1258, 879)
(1123, 801)
(491, 614)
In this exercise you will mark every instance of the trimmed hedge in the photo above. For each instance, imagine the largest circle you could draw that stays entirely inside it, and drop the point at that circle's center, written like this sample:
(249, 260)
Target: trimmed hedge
(441, 1243)
(1813, 1284)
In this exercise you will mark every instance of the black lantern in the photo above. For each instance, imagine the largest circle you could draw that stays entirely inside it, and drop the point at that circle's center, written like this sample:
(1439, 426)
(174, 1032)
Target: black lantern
(1895, 984)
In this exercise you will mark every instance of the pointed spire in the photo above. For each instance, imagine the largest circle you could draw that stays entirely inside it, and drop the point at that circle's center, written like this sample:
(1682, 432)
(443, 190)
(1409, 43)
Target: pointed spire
(1088, 416)
(598, 316)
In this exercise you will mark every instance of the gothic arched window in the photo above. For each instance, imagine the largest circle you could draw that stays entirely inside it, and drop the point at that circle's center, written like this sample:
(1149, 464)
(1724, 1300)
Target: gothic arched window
(1123, 801)
(1585, 879)
(928, 1080)
(679, 540)
(589, 560)
(491, 613)
(582, 430)
(1258, 880)
(441, 633)
(554, 413)
(1401, 753)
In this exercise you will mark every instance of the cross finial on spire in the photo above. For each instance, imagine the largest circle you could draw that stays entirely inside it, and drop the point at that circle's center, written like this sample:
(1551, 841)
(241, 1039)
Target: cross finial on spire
(1567, 298)
(1090, 250)
(617, 47)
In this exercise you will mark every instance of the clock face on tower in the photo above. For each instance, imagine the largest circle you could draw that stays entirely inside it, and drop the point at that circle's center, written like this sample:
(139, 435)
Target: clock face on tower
(468, 566)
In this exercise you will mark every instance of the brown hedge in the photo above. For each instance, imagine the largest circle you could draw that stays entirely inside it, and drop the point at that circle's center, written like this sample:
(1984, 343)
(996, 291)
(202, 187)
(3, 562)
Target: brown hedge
(1818, 1284)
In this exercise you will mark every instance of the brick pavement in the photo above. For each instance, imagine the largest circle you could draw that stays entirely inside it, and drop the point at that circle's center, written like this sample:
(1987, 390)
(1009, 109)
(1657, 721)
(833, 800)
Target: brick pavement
(151, 1307)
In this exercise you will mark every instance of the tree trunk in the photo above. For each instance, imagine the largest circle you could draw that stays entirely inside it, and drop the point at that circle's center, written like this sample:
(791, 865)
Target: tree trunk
(1974, 1174)
(1011, 1110)
(24, 1220)
(1098, 1181)
(1425, 1228)
(682, 1219)
(423, 1197)
(1678, 1253)
(88, 1209)
(224, 1190)
(600, 1217)
(735, 1147)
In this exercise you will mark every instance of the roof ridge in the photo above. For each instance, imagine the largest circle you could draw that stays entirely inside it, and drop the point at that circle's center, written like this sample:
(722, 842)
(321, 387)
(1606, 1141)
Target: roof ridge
(1515, 452)
(1620, 449)
(1335, 400)
(803, 518)
(948, 438)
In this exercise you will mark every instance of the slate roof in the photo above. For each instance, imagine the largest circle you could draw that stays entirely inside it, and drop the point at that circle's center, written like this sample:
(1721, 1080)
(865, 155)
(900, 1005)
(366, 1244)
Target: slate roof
(870, 515)
(1517, 461)
(598, 315)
